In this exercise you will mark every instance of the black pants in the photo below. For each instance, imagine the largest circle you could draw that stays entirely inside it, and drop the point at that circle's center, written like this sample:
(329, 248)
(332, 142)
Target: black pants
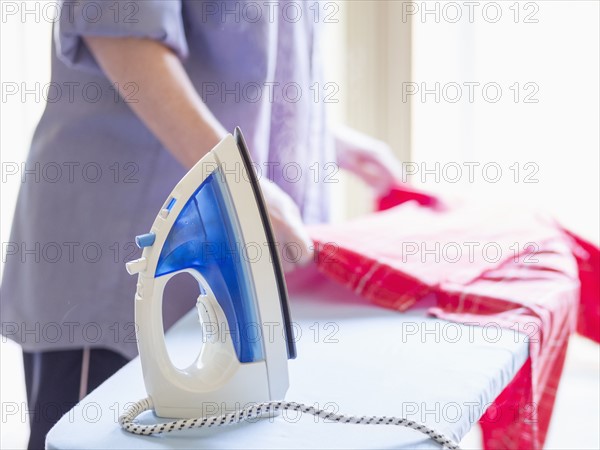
(57, 380)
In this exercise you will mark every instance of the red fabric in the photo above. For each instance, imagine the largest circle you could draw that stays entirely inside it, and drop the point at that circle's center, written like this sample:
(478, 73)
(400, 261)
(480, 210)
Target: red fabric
(502, 423)
(588, 262)
(528, 279)
(405, 193)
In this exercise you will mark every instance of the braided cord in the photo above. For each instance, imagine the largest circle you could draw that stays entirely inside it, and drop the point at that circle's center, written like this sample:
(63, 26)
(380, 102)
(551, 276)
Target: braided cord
(126, 420)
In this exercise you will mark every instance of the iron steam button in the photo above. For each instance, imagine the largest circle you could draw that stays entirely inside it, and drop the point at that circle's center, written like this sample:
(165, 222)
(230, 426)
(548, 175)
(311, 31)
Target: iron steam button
(145, 240)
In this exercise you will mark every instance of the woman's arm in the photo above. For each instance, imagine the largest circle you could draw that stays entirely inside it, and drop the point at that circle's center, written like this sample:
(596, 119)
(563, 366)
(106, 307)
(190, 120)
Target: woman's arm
(172, 109)
(166, 100)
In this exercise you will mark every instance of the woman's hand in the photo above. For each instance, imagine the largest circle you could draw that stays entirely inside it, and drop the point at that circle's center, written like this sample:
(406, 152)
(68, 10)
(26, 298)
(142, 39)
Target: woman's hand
(369, 158)
(293, 242)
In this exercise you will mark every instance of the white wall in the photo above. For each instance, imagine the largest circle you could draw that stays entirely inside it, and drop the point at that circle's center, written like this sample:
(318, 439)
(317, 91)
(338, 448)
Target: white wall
(25, 61)
(559, 134)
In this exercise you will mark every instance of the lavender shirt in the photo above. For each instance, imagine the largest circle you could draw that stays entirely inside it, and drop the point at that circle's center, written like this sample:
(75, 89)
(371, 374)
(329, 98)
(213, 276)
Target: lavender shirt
(95, 176)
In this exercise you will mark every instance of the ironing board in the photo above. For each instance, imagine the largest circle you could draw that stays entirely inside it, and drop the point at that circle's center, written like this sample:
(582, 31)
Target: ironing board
(353, 357)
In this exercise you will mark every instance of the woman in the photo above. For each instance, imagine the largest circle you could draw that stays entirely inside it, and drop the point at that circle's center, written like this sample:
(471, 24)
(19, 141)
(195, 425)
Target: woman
(142, 91)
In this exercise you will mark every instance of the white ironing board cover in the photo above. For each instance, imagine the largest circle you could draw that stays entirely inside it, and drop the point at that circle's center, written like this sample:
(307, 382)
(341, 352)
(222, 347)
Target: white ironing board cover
(364, 360)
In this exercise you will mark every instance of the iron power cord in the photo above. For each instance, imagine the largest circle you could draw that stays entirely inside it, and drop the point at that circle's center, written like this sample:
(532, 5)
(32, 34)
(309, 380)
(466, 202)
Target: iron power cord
(126, 420)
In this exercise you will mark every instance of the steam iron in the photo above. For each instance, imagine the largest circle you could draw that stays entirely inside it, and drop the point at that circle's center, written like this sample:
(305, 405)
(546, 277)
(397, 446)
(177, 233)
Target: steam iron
(205, 228)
